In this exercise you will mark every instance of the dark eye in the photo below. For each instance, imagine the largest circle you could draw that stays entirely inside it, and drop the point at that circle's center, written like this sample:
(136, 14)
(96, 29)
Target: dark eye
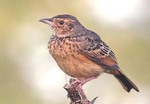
(61, 22)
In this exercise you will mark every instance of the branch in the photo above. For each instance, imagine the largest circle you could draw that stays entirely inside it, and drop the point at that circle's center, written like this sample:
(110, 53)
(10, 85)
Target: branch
(76, 94)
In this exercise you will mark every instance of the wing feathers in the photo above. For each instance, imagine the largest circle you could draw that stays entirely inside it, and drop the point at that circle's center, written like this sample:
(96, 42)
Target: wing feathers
(100, 53)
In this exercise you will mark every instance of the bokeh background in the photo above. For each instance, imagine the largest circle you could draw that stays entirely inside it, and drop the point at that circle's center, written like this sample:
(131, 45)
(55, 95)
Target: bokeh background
(29, 75)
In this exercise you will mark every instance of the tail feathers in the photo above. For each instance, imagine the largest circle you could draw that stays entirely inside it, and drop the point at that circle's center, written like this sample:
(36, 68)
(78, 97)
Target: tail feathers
(125, 82)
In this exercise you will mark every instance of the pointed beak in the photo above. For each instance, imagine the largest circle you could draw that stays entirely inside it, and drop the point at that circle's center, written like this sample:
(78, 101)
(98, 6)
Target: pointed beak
(47, 21)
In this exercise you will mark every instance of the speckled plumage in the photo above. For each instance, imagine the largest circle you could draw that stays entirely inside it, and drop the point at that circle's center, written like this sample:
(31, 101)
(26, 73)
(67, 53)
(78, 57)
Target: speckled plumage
(81, 53)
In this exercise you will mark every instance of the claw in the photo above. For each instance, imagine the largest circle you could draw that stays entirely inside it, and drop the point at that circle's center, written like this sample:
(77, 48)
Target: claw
(75, 91)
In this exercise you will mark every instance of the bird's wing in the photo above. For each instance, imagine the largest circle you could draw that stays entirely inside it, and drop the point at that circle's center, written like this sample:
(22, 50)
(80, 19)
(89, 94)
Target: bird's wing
(98, 52)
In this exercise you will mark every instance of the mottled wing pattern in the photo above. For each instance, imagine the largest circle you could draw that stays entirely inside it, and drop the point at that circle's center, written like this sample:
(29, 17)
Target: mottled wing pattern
(98, 51)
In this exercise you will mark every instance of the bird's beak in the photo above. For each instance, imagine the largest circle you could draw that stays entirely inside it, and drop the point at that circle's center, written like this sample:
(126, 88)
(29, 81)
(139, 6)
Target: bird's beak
(47, 21)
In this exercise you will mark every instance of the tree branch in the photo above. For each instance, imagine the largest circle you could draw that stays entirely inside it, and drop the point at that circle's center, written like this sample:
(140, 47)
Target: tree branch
(76, 94)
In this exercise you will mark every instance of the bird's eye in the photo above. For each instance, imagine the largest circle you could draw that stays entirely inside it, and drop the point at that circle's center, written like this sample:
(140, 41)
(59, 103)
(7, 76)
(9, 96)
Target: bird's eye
(61, 22)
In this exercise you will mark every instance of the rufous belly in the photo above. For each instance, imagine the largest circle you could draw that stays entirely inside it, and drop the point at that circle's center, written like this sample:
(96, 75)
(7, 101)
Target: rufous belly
(71, 61)
(78, 66)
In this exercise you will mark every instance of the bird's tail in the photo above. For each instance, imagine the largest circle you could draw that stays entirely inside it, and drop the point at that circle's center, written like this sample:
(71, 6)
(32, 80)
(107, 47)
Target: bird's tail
(125, 81)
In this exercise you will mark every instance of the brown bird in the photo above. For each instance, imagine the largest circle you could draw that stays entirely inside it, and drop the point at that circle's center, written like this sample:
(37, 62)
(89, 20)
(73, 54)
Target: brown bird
(81, 53)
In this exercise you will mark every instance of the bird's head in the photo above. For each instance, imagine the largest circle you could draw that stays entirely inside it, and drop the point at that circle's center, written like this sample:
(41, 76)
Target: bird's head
(63, 25)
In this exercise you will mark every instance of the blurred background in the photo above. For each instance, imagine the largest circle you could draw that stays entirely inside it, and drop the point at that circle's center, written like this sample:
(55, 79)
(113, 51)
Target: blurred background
(29, 75)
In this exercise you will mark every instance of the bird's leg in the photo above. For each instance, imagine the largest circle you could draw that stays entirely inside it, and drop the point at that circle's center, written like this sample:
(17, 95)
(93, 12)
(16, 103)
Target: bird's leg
(80, 83)
(75, 91)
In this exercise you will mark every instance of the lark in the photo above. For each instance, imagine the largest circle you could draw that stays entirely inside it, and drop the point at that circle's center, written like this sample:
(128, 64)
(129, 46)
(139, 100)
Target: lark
(81, 53)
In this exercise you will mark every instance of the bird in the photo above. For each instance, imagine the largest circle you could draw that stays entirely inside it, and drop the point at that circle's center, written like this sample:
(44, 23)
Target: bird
(81, 53)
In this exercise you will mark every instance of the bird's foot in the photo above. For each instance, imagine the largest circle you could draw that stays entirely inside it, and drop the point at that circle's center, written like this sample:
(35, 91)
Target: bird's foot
(75, 91)
(80, 83)
(74, 83)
